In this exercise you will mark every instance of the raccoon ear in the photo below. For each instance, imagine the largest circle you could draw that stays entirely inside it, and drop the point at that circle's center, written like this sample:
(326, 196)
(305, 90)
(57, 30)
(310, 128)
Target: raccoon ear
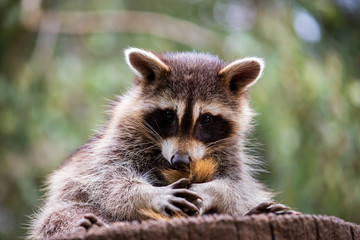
(145, 64)
(242, 74)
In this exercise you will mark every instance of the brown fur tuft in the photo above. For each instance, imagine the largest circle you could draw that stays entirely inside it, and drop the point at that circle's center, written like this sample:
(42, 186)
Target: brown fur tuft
(199, 171)
(152, 214)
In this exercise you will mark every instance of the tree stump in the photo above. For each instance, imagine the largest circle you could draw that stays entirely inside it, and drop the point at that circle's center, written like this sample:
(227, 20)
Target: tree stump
(257, 227)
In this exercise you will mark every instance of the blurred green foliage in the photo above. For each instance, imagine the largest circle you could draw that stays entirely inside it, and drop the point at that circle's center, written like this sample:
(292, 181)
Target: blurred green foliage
(308, 98)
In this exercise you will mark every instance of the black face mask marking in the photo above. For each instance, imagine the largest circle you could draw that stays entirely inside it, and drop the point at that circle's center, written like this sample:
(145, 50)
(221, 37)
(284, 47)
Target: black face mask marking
(208, 128)
(163, 122)
(212, 128)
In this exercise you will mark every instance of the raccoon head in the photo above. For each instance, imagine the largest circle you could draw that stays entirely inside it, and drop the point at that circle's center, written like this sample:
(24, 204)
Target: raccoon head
(193, 104)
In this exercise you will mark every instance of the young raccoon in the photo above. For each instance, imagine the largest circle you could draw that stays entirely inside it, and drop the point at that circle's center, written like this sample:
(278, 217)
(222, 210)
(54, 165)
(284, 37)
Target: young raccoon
(184, 108)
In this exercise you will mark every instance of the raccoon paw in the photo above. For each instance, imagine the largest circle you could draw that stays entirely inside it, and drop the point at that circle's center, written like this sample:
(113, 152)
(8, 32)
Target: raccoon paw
(270, 207)
(176, 200)
(90, 223)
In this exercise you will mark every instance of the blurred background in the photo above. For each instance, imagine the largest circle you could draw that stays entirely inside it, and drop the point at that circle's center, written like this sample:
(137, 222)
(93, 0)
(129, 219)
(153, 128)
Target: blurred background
(62, 61)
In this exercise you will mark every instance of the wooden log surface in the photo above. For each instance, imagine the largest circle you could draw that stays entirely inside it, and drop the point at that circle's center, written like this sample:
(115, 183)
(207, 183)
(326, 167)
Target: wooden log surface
(257, 227)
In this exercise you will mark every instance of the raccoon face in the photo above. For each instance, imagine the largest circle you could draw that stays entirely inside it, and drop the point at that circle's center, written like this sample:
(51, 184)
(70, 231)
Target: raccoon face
(192, 103)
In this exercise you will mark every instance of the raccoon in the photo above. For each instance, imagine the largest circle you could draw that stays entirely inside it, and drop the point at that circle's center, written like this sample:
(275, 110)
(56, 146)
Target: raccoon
(183, 108)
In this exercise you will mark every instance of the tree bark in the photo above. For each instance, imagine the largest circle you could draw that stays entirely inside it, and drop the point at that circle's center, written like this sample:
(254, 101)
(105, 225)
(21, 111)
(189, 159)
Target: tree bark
(264, 226)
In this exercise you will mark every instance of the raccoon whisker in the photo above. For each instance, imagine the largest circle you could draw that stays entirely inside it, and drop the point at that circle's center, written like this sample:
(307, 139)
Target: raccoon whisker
(223, 155)
(140, 152)
(139, 127)
(227, 153)
(218, 144)
(145, 149)
(210, 145)
(159, 157)
(153, 135)
(138, 157)
(152, 132)
(162, 134)
(148, 130)
(129, 153)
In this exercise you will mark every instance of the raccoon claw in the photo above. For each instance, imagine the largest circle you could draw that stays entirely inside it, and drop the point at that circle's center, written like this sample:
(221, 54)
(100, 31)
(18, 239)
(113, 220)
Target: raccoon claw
(185, 199)
(184, 205)
(176, 200)
(90, 222)
(271, 207)
(277, 208)
(181, 183)
(187, 194)
(182, 202)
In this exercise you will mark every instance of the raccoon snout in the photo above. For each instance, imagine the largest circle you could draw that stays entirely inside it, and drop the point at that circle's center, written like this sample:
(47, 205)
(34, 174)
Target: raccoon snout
(180, 160)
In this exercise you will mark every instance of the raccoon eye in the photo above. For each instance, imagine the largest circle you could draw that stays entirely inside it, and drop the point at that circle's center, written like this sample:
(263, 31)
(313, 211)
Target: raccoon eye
(205, 119)
(170, 115)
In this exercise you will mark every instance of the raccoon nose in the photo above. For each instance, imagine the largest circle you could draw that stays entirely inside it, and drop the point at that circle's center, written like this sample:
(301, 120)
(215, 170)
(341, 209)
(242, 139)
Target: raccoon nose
(180, 160)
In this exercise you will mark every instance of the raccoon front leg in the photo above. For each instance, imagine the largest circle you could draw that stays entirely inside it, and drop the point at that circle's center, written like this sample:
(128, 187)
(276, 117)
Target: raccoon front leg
(230, 196)
(217, 196)
(61, 218)
(174, 200)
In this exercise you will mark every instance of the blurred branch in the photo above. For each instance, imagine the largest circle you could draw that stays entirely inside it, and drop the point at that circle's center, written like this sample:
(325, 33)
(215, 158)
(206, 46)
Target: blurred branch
(32, 17)
(75, 22)
(45, 44)
(31, 13)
